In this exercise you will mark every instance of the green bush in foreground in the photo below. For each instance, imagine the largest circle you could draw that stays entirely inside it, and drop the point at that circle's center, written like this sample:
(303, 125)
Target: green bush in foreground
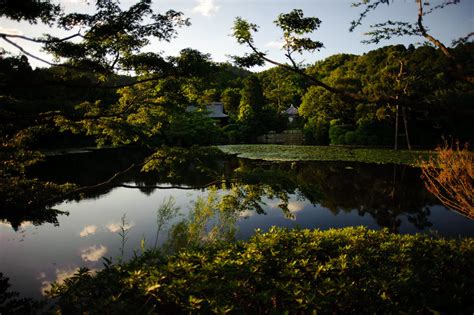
(351, 270)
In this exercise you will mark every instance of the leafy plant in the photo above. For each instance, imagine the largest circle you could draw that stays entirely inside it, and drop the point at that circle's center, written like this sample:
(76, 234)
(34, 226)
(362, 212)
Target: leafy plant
(323, 153)
(449, 175)
(164, 214)
(349, 270)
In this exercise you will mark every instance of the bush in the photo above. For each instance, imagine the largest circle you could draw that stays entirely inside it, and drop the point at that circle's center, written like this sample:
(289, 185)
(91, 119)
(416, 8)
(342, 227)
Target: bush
(316, 131)
(337, 132)
(449, 176)
(351, 270)
(351, 137)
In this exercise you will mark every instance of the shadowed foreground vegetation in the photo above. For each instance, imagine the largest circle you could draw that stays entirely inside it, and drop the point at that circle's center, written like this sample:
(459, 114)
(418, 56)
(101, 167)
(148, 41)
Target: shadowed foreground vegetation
(343, 271)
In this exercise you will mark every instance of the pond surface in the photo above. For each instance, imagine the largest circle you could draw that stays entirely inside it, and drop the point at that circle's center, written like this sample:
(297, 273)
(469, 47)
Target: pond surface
(322, 195)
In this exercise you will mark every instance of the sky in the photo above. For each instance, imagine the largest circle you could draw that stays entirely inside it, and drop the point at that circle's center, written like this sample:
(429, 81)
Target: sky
(212, 20)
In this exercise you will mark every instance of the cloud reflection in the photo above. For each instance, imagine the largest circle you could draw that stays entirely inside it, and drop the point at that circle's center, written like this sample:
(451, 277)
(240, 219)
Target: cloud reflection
(115, 227)
(60, 276)
(93, 253)
(88, 230)
(295, 206)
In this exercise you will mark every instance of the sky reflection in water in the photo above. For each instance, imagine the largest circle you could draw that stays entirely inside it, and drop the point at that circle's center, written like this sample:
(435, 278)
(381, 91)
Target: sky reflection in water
(323, 195)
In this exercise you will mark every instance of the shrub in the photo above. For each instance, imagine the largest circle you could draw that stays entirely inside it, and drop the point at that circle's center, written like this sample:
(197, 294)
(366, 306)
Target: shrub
(351, 270)
(316, 131)
(449, 175)
(350, 137)
(337, 131)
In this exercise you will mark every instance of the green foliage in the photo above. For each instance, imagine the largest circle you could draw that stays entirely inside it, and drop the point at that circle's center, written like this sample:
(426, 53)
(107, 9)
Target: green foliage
(166, 211)
(351, 270)
(210, 221)
(113, 36)
(418, 79)
(281, 88)
(254, 117)
(30, 11)
(294, 25)
(231, 99)
(316, 131)
(337, 132)
(252, 94)
(194, 128)
(173, 163)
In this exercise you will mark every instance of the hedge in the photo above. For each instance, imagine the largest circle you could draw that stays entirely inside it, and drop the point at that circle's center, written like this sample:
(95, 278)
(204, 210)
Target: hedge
(350, 270)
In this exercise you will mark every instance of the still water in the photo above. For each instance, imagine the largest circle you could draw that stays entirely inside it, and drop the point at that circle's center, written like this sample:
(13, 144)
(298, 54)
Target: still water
(36, 251)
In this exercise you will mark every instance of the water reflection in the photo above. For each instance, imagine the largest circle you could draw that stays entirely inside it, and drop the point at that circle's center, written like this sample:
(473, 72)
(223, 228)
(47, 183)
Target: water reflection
(115, 227)
(60, 275)
(88, 230)
(93, 253)
(308, 195)
(383, 192)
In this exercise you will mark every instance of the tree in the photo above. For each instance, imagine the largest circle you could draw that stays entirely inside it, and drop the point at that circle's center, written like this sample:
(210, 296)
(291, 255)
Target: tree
(111, 39)
(252, 94)
(31, 11)
(282, 88)
(389, 29)
(294, 26)
(230, 97)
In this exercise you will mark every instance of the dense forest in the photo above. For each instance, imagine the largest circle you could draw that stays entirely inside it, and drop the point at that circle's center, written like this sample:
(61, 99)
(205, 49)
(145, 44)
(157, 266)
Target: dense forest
(46, 105)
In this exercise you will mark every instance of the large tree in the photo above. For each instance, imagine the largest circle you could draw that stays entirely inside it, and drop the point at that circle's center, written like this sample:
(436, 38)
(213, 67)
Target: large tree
(99, 45)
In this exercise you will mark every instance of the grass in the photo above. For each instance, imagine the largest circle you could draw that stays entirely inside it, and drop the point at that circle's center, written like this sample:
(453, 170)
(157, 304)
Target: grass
(271, 152)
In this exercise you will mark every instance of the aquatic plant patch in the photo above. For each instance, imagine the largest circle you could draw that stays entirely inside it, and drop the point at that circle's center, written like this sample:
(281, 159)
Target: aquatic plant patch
(324, 153)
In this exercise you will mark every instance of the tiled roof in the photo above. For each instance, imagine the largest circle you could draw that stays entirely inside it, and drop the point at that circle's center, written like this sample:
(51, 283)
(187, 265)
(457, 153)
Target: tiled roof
(215, 110)
(292, 110)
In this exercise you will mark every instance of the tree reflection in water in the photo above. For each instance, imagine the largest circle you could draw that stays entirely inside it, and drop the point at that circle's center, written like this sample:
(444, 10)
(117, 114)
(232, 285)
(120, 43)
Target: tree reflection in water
(385, 192)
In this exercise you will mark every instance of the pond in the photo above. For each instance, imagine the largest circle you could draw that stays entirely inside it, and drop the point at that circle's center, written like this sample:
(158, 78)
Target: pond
(78, 233)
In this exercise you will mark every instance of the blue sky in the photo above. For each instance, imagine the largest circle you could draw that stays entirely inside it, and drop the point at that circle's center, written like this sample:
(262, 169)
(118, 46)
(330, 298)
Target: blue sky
(212, 21)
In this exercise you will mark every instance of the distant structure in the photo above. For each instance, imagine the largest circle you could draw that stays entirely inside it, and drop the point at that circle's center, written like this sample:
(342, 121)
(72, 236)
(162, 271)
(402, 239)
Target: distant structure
(292, 113)
(215, 110)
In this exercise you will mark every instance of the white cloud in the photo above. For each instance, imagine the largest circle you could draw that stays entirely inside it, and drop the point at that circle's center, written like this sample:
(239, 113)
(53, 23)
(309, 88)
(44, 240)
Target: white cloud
(115, 227)
(88, 230)
(93, 253)
(206, 7)
(275, 44)
(10, 31)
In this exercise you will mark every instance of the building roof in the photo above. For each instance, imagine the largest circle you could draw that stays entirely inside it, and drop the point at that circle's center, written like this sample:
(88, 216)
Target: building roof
(215, 110)
(292, 111)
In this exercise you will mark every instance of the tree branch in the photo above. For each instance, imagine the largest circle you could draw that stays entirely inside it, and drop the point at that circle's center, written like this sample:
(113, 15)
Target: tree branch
(425, 34)
(42, 41)
(351, 97)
